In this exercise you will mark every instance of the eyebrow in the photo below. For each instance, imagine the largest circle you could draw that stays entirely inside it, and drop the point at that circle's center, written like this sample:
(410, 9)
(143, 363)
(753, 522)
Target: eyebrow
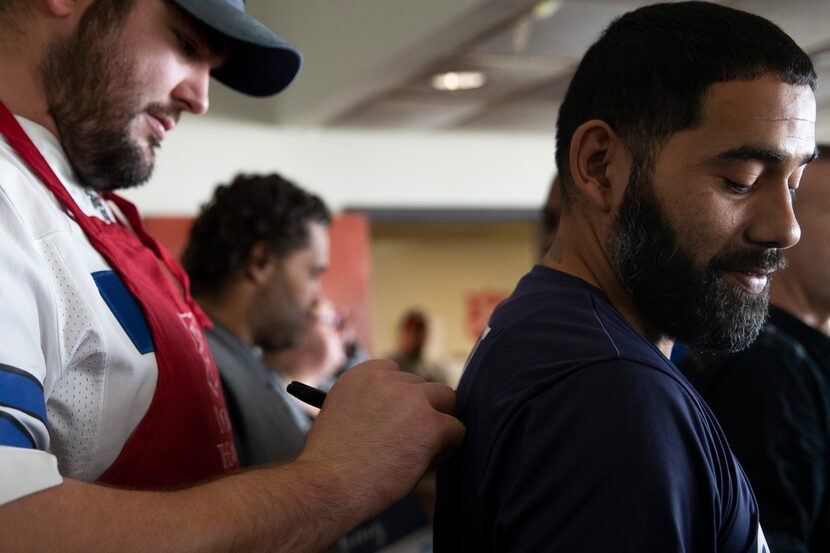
(751, 152)
(216, 43)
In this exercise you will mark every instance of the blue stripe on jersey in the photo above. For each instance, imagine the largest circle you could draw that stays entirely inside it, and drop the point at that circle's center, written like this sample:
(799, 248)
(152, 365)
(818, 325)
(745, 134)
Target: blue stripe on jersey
(125, 308)
(20, 390)
(14, 434)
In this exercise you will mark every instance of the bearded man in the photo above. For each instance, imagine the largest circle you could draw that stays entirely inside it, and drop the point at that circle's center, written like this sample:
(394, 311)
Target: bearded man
(680, 143)
(105, 376)
(255, 258)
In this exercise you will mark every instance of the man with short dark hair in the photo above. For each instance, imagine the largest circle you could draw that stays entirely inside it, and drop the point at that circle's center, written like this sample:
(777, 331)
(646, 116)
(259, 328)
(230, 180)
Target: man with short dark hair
(773, 399)
(105, 376)
(680, 142)
(255, 257)
(410, 354)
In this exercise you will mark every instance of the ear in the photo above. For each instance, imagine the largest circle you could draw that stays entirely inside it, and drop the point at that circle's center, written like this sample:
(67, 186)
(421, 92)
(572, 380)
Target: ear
(261, 263)
(64, 8)
(599, 164)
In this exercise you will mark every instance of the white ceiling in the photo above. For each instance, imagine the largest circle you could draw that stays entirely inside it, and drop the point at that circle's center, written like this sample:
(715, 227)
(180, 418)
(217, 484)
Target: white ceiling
(367, 63)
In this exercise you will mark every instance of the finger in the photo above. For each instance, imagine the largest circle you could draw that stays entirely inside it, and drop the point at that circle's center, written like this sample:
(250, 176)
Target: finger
(394, 373)
(382, 365)
(376, 364)
(407, 377)
(440, 396)
(453, 436)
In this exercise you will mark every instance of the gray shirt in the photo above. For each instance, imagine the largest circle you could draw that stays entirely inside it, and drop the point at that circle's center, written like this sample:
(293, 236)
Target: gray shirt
(265, 428)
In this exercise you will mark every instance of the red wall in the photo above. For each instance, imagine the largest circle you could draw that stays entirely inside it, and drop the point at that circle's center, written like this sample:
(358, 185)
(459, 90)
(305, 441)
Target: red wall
(347, 281)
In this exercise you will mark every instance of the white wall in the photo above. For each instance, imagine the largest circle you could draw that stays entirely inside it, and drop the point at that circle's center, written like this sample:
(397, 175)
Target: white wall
(349, 167)
(353, 167)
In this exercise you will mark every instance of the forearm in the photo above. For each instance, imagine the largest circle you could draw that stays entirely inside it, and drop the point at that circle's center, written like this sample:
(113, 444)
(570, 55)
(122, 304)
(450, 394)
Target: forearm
(287, 508)
(377, 434)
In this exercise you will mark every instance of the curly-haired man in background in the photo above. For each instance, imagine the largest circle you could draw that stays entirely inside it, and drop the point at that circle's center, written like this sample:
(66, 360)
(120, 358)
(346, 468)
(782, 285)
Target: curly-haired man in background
(255, 257)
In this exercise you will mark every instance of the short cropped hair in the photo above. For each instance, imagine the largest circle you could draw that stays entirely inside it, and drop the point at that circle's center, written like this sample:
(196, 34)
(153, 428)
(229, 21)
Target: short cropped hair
(252, 209)
(647, 74)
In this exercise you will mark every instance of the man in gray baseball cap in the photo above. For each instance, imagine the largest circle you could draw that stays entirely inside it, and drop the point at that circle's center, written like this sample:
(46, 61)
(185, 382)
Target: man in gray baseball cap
(109, 398)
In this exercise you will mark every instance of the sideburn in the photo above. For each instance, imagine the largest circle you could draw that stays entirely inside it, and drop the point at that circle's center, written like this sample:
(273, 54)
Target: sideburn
(89, 89)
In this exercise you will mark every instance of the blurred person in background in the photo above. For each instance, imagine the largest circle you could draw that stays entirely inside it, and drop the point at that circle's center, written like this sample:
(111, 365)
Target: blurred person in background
(320, 354)
(773, 399)
(410, 354)
(316, 360)
(255, 257)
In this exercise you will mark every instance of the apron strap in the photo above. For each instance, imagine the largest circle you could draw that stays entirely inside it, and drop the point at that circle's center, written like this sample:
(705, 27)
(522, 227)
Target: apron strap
(175, 269)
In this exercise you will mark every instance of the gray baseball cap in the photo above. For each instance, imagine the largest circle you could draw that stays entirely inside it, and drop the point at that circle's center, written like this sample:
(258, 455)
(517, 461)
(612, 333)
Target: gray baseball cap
(259, 63)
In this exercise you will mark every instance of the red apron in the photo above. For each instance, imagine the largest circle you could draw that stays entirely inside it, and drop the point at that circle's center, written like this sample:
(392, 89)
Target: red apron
(185, 436)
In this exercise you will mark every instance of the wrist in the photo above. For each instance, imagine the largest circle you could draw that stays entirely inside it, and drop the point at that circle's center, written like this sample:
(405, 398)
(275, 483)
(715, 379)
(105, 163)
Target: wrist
(339, 496)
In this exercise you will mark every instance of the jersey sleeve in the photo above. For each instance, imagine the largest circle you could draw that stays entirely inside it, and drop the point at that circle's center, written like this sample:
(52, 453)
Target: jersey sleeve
(612, 459)
(28, 319)
(26, 471)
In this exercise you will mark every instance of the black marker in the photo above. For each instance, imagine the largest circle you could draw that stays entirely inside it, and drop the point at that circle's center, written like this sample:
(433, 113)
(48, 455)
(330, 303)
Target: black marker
(307, 394)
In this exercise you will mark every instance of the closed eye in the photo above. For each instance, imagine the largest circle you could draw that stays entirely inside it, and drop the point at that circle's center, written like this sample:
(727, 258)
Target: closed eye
(737, 187)
(187, 46)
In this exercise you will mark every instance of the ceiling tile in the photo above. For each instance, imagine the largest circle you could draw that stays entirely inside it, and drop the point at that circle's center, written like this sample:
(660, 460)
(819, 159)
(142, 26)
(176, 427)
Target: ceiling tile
(566, 34)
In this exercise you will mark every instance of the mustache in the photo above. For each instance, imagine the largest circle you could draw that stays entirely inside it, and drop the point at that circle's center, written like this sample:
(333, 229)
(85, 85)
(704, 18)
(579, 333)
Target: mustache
(160, 110)
(750, 260)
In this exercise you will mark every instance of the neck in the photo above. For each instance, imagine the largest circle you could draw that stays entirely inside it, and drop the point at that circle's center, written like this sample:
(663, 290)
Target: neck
(577, 251)
(230, 312)
(21, 87)
(788, 294)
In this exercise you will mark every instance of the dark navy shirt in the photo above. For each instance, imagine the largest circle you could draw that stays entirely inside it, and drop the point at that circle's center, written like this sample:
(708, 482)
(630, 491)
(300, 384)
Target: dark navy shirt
(583, 437)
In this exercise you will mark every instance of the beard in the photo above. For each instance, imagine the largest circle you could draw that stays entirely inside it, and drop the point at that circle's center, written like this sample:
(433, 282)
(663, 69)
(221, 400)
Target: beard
(92, 95)
(692, 304)
(284, 333)
(280, 318)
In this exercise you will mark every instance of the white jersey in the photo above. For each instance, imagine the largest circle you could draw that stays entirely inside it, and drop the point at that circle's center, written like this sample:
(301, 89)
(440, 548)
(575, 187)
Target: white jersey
(77, 367)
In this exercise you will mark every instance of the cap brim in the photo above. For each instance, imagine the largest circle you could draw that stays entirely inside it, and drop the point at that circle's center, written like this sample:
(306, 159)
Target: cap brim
(259, 62)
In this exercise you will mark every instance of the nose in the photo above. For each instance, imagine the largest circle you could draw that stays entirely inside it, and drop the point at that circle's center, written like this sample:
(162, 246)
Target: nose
(316, 294)
(774, 222)
(192, 93)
